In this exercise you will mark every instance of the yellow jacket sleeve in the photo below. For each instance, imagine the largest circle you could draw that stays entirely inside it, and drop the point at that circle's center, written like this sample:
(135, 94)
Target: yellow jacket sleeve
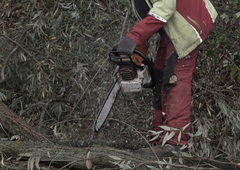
(163, 9)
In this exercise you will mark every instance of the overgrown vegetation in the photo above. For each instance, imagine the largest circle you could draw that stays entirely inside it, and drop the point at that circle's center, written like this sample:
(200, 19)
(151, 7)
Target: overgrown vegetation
(54, 74)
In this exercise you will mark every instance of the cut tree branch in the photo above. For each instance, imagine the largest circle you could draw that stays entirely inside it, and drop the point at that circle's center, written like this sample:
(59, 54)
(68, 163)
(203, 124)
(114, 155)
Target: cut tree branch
(17, 126)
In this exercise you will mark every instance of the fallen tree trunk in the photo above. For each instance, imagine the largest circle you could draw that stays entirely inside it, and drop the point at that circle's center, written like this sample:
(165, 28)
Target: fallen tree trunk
(65, 156)
(17, 126)
(96, 157)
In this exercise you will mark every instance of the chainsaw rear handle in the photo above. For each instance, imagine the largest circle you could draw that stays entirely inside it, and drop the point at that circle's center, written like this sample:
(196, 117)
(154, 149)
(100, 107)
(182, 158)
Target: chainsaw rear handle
(120, 57)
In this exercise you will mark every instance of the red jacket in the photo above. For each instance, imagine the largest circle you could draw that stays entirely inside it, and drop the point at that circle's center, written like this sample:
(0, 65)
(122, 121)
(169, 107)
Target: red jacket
(187, 23)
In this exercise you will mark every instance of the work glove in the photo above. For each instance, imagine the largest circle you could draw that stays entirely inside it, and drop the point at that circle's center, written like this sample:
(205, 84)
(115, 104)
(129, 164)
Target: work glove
(126, 45)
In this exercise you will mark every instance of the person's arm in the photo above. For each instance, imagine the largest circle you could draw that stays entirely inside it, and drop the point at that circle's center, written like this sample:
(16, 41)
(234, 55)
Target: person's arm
(143, 30)
(156, 18)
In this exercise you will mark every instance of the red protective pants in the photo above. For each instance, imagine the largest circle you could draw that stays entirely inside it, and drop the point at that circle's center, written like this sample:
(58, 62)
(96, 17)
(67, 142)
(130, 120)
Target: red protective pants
(175, 89)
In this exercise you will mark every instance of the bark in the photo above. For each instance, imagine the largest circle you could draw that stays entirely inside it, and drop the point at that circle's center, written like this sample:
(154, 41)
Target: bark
(17, 126)
(99, 156)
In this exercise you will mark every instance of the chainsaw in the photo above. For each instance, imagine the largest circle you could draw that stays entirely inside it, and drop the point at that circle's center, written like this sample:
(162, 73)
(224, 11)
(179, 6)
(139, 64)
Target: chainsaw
(132, 74)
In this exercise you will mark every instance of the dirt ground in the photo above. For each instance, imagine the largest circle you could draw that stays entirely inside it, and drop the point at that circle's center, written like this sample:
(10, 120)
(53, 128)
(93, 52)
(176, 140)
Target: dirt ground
(126, 126)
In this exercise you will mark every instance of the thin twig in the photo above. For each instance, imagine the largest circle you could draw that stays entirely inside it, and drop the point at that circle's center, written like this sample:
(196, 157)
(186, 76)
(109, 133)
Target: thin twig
(210, 165)
(197, 168)
(32, 9)
(121, 35)
(124, 23)
(89, 5)
(220, 141)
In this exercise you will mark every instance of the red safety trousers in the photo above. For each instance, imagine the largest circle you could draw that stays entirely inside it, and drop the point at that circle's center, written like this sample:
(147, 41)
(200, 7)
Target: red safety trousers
(175, 90)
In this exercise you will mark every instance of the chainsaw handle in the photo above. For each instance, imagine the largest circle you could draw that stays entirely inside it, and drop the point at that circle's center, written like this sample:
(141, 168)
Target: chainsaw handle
(118, 56)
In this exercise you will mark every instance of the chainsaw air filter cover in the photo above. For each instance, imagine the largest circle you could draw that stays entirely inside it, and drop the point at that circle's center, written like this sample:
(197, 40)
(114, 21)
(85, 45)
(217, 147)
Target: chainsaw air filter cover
(128, 72)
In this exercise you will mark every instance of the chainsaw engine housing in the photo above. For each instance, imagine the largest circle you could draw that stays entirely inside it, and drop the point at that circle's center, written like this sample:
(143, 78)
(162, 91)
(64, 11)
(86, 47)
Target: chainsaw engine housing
(132, 79)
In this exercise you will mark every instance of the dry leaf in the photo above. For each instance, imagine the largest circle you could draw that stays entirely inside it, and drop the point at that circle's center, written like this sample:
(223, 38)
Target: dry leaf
(48, 154)
(6, 5)
(88, 162)
(17, 159)
(55, 131)
(8, 159)
(2, 161)
(15, 137)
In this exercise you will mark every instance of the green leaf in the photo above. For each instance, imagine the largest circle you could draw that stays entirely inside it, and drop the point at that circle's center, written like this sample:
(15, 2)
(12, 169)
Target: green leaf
(165, 138)
(180, 160)
(151, 167)
(171, 135)
(234, 71)
(115, 158)
(209, 112)
(160, 162)
(179, 136)
(186, 154)
(198, 133)
(165, 128)
(223, 16)
(168, 167)
(110, 115)
(186, 126)
(154, 138)
(124, 166)
(238, 14)
(170, 160)
(160, 167)
(115, 163)
(37, 160)
(225, 63)
(8, 97)
(155, 132)
(183, 147)
(2, 96)
(218, 155)
(226, 19)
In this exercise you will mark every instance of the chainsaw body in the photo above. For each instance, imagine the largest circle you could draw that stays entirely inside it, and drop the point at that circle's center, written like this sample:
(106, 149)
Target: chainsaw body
(134, 72)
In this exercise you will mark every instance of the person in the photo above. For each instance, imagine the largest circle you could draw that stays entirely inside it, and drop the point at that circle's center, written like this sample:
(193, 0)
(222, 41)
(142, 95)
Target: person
(184, 25)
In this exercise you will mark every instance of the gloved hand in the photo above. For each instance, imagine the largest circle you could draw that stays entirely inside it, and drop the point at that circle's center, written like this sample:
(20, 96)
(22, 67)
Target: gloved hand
(127, 45)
